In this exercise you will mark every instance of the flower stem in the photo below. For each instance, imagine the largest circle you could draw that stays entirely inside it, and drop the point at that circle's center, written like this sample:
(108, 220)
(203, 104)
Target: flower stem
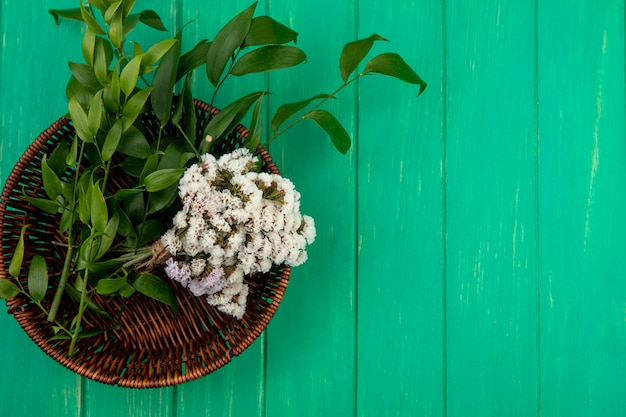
(71, 237)
(61, 288)
(79, 316)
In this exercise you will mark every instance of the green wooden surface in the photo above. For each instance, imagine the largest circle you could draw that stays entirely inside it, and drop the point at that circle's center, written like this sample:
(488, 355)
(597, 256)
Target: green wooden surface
(470, 252)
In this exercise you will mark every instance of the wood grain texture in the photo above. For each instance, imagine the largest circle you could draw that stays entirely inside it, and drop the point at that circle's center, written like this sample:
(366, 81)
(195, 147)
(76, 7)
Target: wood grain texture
(32, 85)
(311, 341)
(470, 251)
(582, 203)
(400, 219)
(491, 317)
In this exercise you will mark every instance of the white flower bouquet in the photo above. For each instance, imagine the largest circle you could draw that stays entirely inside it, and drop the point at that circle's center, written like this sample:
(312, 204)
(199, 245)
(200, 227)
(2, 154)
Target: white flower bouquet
(235, 221)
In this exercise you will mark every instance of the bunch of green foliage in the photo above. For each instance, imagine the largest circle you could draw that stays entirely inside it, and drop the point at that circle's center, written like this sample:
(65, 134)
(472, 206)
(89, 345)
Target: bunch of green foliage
(107, 234)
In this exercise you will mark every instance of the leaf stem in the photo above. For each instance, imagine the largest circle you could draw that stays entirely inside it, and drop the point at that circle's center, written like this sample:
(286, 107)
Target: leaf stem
(71, 237)
(61, 288)
(219, 84)
(79, 316)
(189, 142)
(320, 103)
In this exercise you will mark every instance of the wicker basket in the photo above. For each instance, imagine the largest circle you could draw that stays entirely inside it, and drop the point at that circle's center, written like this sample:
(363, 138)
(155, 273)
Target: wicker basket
(152, 348)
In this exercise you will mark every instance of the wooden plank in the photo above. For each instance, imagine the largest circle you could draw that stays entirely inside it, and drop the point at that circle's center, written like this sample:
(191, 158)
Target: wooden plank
(311, 341)
(400, 219)
(238, 389)
(28, 104)
(581, 206)
(32, 80)
(491, 295)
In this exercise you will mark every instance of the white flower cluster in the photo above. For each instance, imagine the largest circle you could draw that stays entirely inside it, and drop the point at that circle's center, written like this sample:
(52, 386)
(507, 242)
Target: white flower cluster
(234, 222)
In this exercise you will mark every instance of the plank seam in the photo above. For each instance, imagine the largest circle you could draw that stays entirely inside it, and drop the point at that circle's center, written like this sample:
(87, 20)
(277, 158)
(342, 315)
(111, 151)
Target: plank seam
(444, 206)
(537, 205)
(357, 95)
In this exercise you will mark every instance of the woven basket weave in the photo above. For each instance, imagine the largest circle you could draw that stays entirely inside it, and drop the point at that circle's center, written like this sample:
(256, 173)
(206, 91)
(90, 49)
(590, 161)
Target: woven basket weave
(152, 348)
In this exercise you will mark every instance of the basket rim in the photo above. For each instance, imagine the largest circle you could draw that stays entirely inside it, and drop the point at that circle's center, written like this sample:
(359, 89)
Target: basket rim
(96, 364)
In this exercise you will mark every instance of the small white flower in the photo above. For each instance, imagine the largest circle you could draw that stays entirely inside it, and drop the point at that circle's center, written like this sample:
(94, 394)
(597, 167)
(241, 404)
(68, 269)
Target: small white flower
(177, 272)
(171, 242)
(197, 266)
(180, 220)
(308, 232)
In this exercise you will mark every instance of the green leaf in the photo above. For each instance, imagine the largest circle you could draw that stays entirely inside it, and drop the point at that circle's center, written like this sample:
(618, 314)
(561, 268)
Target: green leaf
(156, 51)
(91, 304)
(163, 178)
(284, 112)
(38, 278)
(226, 120)
(77, 90)
(152, 19)
(354, 52)
(112, 140)
(100, 67)
(79, 118)
(163, 84)
(91, 22)
(149, 167)
(51, 183)
(111, 96)
(80, 335)
(48, 206)
(68, 218)
(111, 10)
(18, 256)
(109, 235)
(127, 290)
(256, 128)
(334, 129)
(126, 227)
(125, 193)
(89, 249)
(107, 286)
(149, 231)
(73, 14)
(58, 157)
(177, 114)
(163, 199)
(226, 42)
(393, 65)
(127, 7)
(268, 58)
(116, 29)
(72, 155)
(154, 287)
(129, 75)
(88, 46)
(193, 59)
(137, 49)
(266, 31)
(84, 210)
(134, 106)
(85, 76)
(8, 289)
(94, 116)
(130, 23)
(102, 5)
(188, 103)
(134, 143)
(98, 207)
